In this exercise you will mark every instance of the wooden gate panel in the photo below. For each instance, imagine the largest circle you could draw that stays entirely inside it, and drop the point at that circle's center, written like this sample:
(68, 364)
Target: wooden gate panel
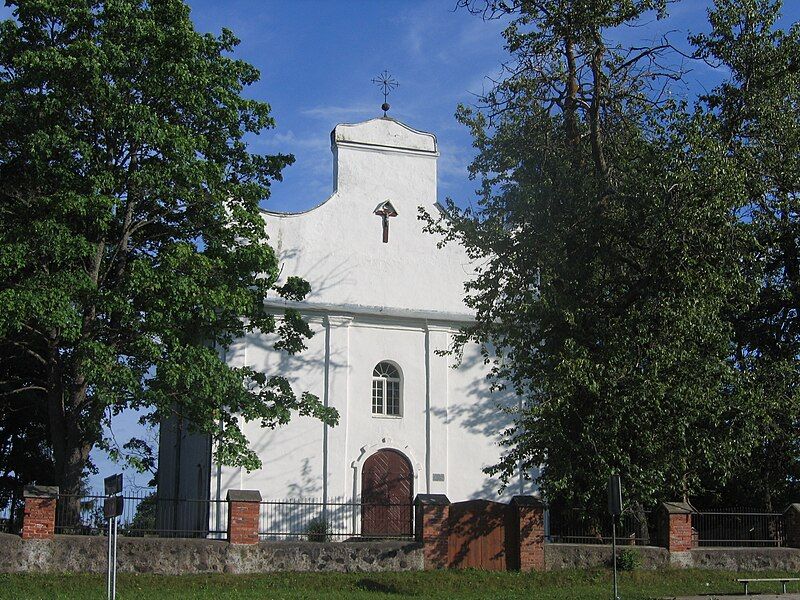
(477, 535)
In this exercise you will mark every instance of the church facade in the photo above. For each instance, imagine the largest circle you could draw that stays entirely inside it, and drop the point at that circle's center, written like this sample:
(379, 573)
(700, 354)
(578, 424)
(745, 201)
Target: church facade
(384, 301)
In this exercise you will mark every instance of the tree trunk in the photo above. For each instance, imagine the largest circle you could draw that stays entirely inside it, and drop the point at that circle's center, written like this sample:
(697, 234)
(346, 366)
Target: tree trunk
(70, 462)
(69, 444)
(571, 103)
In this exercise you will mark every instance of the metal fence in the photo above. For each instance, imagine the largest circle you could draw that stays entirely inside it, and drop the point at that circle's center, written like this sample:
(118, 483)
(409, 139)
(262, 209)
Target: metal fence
(147, 515)
(724, 528)
(578, 526)
(144, 515)
(11, 509)
(338, 519)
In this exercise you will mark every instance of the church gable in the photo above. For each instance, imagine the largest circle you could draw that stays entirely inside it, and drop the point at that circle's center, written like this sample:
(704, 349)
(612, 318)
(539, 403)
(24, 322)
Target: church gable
(365, 246)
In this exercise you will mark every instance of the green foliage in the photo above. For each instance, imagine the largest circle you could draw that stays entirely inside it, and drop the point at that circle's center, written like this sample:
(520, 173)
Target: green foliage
(144, 519)
(757, 109)
(318, 530)
(132, 249)
(615, 265)
(628, 560)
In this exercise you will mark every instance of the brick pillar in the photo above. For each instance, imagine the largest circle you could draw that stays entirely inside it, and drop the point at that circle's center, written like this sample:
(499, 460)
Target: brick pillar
(528, 535)
(243, 511)
(39, 515)
(432, 514)
(791, 519)
(676, 526)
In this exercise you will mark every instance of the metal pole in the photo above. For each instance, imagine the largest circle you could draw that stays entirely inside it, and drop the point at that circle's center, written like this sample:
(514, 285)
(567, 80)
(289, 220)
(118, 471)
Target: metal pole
(614, 553)
(114, 572)
(108, 575)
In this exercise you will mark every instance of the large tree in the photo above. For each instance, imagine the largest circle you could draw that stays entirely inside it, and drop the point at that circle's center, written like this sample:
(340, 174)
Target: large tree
(610, 250)
(132, 250)
(757, 109)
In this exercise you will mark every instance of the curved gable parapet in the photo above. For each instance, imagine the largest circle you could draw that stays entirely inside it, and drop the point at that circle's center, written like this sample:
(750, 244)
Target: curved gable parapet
(365, 245)
(384, 132)
(379, 135)
(284, 214)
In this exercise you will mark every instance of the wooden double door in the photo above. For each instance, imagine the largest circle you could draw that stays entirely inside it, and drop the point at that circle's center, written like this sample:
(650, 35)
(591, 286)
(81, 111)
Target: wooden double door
(387, 494)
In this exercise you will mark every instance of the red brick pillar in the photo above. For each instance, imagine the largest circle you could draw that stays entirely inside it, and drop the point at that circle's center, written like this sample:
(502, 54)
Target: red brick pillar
(432, 514)
(791, 519)
(676, 526)
(39, 515)
(243, 511)
(528, 535)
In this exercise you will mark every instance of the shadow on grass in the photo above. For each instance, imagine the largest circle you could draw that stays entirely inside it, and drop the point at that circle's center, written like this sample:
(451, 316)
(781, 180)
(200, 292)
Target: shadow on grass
(370, 585)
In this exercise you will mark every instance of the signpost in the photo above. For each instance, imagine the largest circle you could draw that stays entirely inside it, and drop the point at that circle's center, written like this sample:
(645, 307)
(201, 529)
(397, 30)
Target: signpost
(615, 509)
(112, 510)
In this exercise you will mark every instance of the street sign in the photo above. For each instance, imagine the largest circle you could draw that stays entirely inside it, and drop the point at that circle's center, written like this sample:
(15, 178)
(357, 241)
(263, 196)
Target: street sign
(113, 484)
(614, 495)
(112, 510)
(112, 506)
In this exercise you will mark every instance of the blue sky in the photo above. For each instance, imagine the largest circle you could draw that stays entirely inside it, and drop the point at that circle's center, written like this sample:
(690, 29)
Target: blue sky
(317, 59)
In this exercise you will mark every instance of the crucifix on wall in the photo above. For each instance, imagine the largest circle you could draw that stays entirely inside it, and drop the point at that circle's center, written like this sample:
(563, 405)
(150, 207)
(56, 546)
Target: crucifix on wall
(384, 211)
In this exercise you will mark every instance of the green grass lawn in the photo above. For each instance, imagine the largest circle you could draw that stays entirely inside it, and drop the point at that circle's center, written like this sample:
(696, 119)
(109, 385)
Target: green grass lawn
(573, 585)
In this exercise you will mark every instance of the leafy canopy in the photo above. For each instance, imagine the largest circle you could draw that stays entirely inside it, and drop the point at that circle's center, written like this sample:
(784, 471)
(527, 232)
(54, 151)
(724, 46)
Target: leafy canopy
(132, 250)
(613, 258)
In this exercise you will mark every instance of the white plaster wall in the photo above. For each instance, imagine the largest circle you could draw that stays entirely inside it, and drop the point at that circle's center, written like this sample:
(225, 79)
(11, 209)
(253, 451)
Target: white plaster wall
(370, 302)
(337, 247)
(476, 420)
(405, 347)
(292, 454)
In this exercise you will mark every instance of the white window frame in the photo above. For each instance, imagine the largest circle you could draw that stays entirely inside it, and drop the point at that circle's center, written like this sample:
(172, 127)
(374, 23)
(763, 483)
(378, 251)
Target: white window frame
(379, 401)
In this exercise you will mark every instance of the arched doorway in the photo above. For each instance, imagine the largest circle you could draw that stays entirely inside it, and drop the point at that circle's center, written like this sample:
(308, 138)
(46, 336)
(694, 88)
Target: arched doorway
(387, 492)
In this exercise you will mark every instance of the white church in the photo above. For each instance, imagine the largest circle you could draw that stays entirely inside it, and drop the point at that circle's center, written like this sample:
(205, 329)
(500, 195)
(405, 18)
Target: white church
(384, 299)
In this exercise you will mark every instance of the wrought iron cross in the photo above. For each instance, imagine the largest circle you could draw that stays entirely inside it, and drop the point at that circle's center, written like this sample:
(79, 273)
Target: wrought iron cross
(384, 211)
(388, 83)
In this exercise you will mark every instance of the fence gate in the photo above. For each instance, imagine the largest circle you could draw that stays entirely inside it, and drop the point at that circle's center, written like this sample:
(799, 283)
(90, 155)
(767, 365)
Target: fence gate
(477, 535)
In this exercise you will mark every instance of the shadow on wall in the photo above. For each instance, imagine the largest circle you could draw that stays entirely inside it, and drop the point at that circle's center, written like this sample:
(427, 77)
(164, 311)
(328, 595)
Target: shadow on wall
(340, 519)
(485, 414)
(323, 276)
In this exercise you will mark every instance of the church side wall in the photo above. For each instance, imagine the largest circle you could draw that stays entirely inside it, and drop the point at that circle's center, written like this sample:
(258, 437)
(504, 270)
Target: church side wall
(291, 454)
(448, 430)
(477, 415)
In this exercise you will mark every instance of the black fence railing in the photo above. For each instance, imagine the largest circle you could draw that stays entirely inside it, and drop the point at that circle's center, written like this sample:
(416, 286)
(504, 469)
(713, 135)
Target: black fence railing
(335, 520)
(147, 515)
(12, 506)
(754, 529)
(144, 515)
(576, 526)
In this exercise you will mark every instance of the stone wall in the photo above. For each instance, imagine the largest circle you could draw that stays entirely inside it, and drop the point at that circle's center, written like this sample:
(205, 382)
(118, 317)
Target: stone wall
(74, 554)
(585, 556)
(66, 553)
(743, 559)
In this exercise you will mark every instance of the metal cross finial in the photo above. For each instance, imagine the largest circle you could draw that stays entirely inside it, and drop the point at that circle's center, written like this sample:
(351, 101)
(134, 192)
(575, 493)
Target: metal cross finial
(388, 83)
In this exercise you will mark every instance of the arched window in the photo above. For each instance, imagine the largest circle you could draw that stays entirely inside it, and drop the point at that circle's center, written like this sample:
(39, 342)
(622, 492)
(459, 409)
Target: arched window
(386, 390)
